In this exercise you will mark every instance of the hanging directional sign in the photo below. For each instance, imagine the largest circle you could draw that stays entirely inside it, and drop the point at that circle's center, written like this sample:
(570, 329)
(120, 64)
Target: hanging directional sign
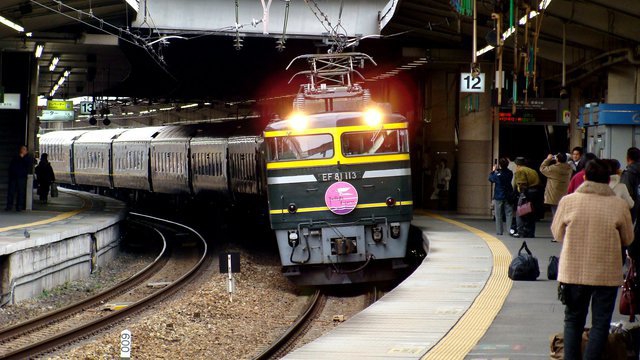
(57, 115)
(59, 105)
(11, 102)
(86, 107)
(468, 83)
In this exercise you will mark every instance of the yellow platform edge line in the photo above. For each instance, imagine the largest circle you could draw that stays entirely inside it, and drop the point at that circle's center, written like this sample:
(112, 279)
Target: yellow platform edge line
(86, 205)
(475, 322)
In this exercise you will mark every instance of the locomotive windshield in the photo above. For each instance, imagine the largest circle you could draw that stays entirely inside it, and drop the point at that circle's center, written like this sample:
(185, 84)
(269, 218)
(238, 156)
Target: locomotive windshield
(305, 147)
(375, 142)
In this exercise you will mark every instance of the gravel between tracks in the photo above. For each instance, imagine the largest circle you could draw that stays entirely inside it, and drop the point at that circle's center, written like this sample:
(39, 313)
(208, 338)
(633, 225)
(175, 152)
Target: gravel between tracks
(201, 323)
(123, 266)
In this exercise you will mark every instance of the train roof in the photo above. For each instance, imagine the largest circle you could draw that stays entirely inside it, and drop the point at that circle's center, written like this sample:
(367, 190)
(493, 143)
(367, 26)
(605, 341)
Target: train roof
(334, 119)
(61, 137)
(139, 134)
(100, 136)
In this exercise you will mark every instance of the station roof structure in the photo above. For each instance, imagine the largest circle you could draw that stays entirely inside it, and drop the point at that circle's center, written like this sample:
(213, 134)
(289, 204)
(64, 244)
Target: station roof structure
(119, 47)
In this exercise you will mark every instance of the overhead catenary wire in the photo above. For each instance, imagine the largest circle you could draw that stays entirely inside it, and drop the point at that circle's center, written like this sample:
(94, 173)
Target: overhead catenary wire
(116, 31)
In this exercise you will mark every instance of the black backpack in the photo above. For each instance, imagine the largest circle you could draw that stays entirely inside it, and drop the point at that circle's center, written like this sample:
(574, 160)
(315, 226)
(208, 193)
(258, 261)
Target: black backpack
(552, 270)
(524, 267)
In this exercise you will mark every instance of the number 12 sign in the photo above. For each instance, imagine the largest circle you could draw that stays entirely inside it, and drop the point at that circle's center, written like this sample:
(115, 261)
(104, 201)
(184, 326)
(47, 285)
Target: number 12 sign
(470, 84)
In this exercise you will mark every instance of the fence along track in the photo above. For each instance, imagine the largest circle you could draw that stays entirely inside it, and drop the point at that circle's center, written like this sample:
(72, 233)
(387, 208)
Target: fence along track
(100, 324)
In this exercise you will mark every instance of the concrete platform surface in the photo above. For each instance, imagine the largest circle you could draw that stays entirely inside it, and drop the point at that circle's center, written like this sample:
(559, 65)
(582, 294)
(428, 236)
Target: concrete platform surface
(65, 240)
(413, 318)
(70, 214)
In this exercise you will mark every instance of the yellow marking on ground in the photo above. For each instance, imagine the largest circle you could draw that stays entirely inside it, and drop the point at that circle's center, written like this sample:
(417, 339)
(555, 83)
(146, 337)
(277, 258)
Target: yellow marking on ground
(324, 208)
(472, 326)
(86, 205)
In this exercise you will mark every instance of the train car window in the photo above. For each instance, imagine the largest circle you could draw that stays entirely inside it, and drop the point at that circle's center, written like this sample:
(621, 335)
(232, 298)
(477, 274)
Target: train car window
(304, 147)
(375, 142)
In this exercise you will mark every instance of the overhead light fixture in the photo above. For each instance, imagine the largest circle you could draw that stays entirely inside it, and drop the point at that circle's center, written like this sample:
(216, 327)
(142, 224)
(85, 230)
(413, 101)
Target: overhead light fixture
(135, 4)
(29, 34)
(11, 24)
(188, 106)
(66, 73)
(54, 62)
(39, 50)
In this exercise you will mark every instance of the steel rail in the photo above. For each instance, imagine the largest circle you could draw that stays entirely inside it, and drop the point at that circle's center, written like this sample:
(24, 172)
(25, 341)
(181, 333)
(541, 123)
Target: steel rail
(284, 343)
(56, 316)
(98, 325)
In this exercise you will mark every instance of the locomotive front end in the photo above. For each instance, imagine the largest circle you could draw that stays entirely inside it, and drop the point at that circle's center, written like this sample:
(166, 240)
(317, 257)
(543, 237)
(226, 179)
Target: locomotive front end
(339, 188)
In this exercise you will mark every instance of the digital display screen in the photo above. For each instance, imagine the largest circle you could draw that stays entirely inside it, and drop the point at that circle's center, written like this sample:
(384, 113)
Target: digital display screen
(529, 116)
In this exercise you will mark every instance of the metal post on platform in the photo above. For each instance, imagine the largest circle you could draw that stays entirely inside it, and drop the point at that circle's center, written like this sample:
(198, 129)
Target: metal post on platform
(29, 193)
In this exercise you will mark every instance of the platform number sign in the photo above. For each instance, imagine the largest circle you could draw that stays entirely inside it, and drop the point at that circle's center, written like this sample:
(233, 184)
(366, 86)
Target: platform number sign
(86, 107)
(125, 344)
(471, 84)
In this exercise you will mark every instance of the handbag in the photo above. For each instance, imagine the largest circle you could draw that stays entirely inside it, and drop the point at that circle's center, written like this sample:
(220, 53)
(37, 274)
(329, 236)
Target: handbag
(524, 266)
(524, 205)
(629, 295)
(552, 269)
(54, 190)
(524, 209)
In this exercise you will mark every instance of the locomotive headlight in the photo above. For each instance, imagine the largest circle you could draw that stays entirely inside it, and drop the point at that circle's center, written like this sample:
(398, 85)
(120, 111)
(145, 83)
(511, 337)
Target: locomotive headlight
(395, 230)
(292, 208)
(298, 121)
(293, 238)
(376, 233)
(373, 117)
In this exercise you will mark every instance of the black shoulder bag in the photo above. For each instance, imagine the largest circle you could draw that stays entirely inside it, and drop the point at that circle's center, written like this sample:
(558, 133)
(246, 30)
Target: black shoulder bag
(524, 266)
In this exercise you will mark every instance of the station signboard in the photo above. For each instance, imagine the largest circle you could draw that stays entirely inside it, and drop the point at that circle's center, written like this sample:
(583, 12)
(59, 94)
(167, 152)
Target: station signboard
(86, 107)
(469, 83)
(57, 115)
(11, 102)
(60, 105)
(535, 111)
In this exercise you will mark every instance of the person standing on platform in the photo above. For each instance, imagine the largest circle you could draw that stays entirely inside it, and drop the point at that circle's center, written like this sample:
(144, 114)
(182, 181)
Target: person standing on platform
(527, 182)
(501, 176)
(593, 225)
(45, 177)
(578, 178)
(19, 168)
(631, 178)
(577, 160)
(618, 187)
(558, 174)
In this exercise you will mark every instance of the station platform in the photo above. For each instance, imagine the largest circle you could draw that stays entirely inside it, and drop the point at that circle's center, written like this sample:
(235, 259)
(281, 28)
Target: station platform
(458, 304)
(61, 241)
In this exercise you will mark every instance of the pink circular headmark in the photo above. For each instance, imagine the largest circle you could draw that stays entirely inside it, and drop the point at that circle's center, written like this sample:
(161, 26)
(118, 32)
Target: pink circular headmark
(341, 198)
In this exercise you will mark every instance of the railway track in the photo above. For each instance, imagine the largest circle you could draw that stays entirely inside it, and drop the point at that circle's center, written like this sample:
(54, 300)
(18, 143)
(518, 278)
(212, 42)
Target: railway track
(316, 305)
(297, 330)
(173, 268)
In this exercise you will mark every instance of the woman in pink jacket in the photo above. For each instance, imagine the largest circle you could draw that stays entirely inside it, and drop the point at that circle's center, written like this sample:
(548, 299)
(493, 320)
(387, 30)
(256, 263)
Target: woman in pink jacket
(593, 224)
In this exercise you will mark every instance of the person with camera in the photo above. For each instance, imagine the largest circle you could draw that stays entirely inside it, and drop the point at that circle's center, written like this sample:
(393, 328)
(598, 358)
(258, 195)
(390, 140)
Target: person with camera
(527, 182)
(558, 174)
(501, 176)
(593, 225)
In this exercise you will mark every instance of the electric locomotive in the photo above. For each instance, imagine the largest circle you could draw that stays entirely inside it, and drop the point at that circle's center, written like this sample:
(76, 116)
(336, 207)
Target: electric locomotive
(339, 180)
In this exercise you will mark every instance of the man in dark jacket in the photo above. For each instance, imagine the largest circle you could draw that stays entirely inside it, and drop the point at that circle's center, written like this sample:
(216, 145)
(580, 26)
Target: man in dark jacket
(501, 176)
(19, 168)
(631, 178)
(45, 176)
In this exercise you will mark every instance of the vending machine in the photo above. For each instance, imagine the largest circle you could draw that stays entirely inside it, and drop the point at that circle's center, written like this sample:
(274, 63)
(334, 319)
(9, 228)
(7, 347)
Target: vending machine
(611, 129)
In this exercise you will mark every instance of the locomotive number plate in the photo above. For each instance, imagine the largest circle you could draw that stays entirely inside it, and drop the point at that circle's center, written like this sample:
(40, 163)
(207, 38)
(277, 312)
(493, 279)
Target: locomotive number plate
(339, 176)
